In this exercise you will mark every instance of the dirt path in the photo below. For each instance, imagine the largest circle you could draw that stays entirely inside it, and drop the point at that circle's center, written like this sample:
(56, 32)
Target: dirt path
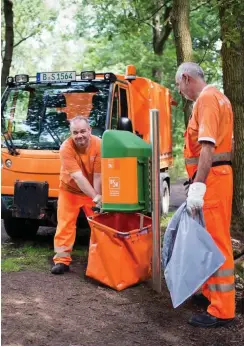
(45, 310)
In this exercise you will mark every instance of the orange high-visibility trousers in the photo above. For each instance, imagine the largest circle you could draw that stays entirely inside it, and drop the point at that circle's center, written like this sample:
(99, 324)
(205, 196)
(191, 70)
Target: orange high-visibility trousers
(69, 205)
(220, 288)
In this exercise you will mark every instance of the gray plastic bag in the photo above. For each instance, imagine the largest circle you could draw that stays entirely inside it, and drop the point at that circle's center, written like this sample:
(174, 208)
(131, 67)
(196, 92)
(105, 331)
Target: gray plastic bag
(189, 255)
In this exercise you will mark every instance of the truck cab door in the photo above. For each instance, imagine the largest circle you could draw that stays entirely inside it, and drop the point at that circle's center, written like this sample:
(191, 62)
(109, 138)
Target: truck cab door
(120, 105)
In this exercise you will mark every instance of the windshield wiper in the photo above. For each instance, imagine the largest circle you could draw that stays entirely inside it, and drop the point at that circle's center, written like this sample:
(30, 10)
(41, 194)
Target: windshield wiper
(52, 133)
(9, 143)
(57, 140)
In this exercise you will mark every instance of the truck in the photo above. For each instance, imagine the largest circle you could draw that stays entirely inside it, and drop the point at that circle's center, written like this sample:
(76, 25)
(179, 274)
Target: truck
(35, 115)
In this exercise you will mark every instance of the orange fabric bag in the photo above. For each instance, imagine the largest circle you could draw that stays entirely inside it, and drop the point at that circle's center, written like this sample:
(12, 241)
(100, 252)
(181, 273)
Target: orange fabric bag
(120, 249)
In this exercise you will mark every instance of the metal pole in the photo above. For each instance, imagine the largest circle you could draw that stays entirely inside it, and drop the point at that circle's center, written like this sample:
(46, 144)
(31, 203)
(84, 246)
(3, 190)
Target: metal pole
(156, 257)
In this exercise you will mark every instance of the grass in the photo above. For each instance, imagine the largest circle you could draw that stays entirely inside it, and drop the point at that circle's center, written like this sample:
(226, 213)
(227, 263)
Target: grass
(165, 221)
(31, 257)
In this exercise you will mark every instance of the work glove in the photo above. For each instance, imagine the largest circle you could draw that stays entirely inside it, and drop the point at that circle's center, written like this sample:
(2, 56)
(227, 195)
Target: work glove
(195, 196)
(98, 200)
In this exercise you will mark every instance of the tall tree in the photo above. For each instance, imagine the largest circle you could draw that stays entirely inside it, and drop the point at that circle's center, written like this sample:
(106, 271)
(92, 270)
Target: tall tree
(161, 31)
(183, 42)
(22, 20)
(232, 31)
(9, 39)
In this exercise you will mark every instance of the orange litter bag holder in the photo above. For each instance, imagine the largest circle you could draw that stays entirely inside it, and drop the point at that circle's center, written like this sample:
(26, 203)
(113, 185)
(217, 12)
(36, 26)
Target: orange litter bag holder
(120, 249)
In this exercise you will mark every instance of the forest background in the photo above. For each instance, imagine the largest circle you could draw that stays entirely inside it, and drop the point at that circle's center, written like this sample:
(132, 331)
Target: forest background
(154, 35)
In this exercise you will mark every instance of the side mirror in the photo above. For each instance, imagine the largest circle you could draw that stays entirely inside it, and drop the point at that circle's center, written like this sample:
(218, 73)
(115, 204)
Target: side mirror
(125, 123)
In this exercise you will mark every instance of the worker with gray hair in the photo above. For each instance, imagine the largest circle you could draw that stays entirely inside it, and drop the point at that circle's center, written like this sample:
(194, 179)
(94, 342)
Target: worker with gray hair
(207, 152)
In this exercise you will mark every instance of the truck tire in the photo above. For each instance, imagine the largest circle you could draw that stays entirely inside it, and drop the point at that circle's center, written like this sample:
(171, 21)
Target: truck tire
(164, 197)
(21, 227)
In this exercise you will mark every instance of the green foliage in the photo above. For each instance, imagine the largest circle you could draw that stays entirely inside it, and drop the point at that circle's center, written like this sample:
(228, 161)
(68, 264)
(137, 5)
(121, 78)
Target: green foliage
(118, 33)
(32, 18)
(205, 32)
(234, 24)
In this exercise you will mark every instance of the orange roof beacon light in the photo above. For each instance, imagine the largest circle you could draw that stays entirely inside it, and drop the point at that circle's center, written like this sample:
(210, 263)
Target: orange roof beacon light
(130, 73)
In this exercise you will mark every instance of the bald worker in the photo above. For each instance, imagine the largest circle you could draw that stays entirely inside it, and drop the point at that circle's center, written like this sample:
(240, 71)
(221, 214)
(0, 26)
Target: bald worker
(80, 187)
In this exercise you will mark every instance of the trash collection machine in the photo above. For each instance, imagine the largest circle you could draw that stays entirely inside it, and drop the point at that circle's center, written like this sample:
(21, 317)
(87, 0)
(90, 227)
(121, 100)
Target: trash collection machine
(120, 251)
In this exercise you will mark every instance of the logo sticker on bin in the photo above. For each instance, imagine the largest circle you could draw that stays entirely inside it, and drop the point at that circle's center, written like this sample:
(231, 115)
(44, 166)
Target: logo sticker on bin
(114, 186)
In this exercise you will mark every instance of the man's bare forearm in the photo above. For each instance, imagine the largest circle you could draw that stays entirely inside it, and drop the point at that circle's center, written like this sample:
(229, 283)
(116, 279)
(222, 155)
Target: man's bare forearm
(97, 183)
(83, 184)
(205, 162)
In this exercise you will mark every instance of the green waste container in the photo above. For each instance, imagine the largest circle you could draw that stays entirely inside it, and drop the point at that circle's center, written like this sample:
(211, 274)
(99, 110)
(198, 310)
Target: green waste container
(125, 172)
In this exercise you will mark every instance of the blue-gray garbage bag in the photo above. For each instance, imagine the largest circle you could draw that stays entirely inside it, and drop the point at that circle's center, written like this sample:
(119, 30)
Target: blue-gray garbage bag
(189, 255)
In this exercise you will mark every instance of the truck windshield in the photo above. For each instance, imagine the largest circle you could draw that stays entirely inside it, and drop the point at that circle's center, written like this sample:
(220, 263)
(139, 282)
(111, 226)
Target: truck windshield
(36, 116)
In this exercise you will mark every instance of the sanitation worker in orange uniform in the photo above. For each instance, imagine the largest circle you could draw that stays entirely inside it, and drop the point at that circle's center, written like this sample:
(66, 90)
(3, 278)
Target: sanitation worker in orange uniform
(80, 187)
(208, 144)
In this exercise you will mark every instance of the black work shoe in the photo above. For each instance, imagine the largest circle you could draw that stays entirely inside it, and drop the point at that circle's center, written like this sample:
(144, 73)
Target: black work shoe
(200, 300)
(59, 269)
(206, 320)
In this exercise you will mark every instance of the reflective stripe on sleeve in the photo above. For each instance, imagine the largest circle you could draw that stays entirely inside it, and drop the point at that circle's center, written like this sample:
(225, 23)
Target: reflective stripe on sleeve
(224, 273)
(221, 287)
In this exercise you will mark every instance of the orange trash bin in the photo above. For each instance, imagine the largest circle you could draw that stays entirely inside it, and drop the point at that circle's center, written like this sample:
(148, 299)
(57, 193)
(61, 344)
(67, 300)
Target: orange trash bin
(120, 249)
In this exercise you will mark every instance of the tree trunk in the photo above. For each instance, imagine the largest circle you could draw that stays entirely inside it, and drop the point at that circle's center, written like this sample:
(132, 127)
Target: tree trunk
(183, 42)
(9, 40)
(161, 31)
(232, 34)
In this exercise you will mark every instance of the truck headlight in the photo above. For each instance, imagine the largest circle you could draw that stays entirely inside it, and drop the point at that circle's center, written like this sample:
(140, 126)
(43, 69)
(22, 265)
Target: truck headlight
(22, 78)
(88, 75)
(8, 163)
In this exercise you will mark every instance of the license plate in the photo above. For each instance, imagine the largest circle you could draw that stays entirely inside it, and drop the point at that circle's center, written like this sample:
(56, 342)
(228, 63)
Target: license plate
(64, 76)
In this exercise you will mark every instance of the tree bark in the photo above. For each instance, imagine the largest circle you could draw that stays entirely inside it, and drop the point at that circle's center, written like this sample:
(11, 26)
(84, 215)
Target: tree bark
(183, 42)
(232, 34)
(161, 31)
(9, 40)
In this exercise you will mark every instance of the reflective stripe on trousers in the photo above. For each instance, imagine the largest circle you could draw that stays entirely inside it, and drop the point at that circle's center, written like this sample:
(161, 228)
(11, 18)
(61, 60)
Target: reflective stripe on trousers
(61, 249)
(224, 273)
(220, 288)
(61, 255)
